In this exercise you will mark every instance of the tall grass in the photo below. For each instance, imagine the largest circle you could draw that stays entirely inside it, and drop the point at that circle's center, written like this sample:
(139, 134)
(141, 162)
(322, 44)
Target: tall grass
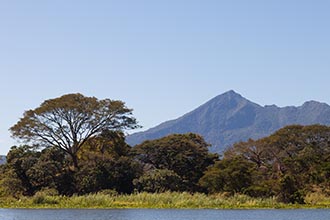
(160, 200)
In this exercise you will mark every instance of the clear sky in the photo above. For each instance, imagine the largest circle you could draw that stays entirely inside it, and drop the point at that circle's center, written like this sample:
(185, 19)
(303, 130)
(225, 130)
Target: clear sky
(162, 57)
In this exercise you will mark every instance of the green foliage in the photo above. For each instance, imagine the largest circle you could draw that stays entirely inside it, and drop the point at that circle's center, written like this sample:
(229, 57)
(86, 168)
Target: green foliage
(106, 164)
(157, 200)
(109, 174)
(291, 166)
(48, 169)
(289, 193)
(108, 145)
(289, 163)
(28, 171)
(185, 154)
(45, 196)
(19, 161)
(228, 175)
(158, 181)
(11, 185)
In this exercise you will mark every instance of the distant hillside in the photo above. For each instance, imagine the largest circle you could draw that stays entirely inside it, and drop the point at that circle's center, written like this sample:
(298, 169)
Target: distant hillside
(2, 159)
(229, 118)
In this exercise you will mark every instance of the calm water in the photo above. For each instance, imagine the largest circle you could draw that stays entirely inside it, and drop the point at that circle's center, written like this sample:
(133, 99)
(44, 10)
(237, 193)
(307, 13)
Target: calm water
(166, 214)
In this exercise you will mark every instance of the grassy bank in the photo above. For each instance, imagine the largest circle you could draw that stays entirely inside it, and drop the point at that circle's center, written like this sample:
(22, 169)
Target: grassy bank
(162, 200)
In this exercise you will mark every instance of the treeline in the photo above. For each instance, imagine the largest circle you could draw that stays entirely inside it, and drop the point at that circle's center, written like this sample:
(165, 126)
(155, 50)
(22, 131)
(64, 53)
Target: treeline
(106, 162)
(287, 165)
(291, 163)
(76, 145)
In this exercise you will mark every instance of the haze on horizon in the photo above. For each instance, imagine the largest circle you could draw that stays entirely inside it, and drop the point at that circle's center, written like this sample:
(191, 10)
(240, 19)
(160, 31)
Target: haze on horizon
(163, 58)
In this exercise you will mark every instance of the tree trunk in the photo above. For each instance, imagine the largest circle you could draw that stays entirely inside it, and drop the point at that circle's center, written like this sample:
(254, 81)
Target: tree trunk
(75, 161)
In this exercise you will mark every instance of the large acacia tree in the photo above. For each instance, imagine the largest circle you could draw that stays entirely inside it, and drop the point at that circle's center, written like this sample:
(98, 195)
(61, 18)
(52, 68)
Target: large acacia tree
(69, 121)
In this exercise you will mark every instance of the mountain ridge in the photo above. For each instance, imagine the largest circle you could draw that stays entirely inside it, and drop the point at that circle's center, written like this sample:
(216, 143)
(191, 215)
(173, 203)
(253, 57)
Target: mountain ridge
(230, 117)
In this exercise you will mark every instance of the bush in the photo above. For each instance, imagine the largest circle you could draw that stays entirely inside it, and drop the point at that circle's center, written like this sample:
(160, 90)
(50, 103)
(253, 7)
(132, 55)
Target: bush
(46, 196)
(158, 181)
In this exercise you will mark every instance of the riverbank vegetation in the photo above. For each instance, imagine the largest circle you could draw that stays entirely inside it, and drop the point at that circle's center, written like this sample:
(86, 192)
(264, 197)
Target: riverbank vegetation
(170, 200)
(76, 156)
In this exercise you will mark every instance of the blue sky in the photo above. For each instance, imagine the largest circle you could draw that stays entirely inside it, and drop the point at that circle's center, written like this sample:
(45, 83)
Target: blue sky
(162, 57)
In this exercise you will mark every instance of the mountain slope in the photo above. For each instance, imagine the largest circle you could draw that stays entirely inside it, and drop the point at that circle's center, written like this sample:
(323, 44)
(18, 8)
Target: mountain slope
(2, 159)
(229, 118)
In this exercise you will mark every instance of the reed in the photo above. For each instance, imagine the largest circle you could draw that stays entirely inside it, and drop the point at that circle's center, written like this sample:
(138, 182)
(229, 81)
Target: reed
(172, 200)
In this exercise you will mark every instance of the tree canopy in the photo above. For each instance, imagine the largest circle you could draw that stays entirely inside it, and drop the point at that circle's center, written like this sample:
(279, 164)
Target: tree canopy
(69, 121)
(287, 164)
(186, 155)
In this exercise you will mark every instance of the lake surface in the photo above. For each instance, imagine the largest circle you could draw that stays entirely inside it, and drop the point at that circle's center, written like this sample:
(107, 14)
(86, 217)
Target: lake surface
(162, 214)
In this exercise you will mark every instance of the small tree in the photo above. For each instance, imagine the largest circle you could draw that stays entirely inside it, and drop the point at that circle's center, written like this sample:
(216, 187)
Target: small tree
(69, 121)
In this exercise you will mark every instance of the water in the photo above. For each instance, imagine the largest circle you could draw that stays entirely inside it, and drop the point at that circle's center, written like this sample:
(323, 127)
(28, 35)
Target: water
(161, 214)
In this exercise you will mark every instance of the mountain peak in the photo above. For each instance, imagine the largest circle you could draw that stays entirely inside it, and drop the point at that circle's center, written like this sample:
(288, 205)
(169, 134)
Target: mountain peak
(231, 93)
(229, 118)
(229, 99)
(228, 96)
